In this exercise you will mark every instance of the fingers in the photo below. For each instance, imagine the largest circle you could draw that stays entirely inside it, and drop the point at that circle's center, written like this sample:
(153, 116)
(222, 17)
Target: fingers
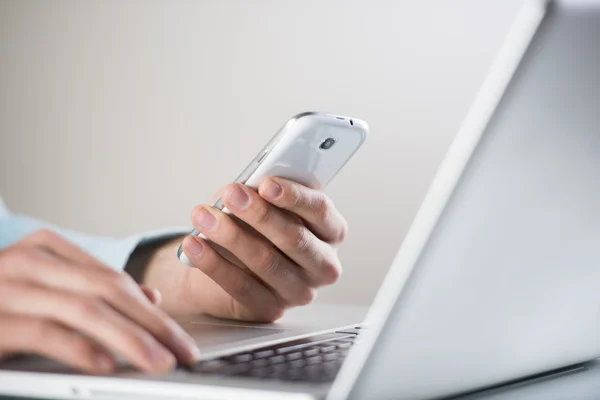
(286, 232)
(57, 245)
(90, 316)
(116, 289)
(253, 300)
(53, 340)
(313, 206)
(260, 256)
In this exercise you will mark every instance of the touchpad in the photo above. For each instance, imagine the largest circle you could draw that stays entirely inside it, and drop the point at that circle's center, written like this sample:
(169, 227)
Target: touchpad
(211, 333)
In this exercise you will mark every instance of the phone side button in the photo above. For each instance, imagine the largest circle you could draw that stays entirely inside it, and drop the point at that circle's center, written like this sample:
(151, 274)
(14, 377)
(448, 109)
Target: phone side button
(262, 156)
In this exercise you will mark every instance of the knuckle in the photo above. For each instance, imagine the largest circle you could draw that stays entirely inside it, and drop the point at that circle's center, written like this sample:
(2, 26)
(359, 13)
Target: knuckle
(263, 214)
(113, 282)
(242, 286)
(44, 236)
(323, 207)
(269, 261)
(298, 237)
(14, 255)
(87, 308)
(293, 197)
(18, 258)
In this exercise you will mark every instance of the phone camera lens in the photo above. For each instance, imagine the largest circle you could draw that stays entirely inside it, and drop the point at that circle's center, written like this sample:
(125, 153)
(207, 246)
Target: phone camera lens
(327, 144)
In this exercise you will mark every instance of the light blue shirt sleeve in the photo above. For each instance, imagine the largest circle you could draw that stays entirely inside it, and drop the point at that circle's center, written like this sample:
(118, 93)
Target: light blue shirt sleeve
(114, 252)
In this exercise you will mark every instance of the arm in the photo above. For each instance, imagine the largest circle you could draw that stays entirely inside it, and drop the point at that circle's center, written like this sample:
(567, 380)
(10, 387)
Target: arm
(78, 307)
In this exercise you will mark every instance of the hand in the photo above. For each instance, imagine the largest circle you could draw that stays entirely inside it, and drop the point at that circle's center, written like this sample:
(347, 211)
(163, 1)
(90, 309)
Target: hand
(284, 249)
(59, 302)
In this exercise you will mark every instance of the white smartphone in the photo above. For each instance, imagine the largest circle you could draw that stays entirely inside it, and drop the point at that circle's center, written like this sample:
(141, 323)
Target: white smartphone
(311, 148)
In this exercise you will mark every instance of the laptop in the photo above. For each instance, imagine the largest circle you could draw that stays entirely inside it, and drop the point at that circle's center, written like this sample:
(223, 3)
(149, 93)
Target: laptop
(498, 279)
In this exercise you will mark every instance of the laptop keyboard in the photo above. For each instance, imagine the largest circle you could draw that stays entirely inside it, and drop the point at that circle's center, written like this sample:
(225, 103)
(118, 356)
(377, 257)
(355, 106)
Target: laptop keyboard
(315, 359)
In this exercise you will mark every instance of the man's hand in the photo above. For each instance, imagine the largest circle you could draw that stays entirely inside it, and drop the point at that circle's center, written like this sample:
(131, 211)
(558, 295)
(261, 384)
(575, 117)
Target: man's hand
(57, 301)
(281, 252)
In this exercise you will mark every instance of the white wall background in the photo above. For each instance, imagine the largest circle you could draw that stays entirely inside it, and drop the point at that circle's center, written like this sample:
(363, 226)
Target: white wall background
(120, 116)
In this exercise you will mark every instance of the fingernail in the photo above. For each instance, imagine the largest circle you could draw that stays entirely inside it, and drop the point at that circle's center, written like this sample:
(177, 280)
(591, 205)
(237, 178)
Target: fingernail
(205, 219)
(104, 362)
(271, 189)
(194, 246)
(238, 198)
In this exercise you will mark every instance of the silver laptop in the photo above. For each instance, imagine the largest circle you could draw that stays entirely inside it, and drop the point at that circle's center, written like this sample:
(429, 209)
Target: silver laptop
(497, 280)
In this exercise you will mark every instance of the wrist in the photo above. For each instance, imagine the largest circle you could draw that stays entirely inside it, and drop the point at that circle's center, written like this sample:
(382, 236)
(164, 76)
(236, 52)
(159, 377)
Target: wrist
(165, 272)
(145, 255)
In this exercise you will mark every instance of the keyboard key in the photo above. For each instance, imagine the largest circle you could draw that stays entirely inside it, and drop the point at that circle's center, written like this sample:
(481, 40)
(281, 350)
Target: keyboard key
(342, 345)
(327, 376)
(260, 372)
(279, 368)
(327, 348)
(277, 359)
(210, 365)
(293, 375)
(297, 363)
(311, 351)
(259, 363)
(263, 353)
(235, 369)
(331, 365)
(308, 343)
(313, 370)
(293, 356)
(314, 360)
(242, 358)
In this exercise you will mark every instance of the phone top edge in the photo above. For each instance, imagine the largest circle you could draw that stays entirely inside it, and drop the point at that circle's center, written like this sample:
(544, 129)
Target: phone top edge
(357, 123)
(361, 122)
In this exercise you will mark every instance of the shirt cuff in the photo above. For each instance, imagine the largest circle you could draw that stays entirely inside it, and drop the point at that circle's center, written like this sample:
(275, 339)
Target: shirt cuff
(124, 248)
